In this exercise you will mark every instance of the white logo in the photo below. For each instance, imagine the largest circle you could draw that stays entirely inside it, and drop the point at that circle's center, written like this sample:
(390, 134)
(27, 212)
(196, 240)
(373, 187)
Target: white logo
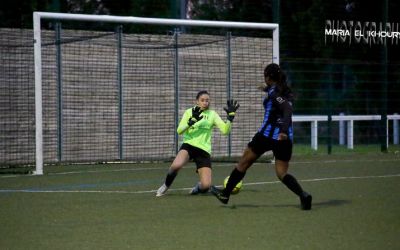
(280, 100)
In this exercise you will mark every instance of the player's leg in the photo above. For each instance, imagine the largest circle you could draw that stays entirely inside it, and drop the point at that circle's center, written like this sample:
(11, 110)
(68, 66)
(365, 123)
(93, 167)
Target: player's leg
(281, 168)
(180, 160)
(283, 152)
(256, 147)
(203, 165)
(237, 174)
(205, 181)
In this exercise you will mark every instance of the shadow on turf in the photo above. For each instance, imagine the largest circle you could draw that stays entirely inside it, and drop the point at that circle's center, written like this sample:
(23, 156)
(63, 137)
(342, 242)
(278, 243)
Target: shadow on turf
(332, 203)
(329, 203)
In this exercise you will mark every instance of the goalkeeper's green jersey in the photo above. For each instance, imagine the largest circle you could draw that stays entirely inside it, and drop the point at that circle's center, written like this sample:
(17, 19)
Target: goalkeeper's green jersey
(199, 135)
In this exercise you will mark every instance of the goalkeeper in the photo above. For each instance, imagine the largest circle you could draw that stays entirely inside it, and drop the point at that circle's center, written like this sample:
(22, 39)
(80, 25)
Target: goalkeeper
(196, 126)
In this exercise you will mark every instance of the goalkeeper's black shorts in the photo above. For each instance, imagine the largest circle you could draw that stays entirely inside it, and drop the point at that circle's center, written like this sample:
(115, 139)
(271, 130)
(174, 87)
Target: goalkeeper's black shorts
(282, 149)
(199, 156)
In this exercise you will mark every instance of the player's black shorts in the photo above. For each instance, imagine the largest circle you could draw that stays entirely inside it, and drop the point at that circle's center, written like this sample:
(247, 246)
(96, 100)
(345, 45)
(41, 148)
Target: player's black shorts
(282, 149)
(199, 156)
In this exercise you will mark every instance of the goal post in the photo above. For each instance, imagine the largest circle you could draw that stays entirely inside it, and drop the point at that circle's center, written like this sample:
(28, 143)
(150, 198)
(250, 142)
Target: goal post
(38, 46)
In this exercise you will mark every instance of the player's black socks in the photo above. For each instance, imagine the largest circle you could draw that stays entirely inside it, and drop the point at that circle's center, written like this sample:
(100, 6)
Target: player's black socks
(170, 177)
(292, 184)
(235, 177)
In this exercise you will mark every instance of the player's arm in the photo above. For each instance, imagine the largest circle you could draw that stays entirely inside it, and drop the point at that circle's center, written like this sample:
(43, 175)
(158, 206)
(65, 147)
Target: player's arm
(286, 108)
(224, 127)
(183, 124)
(190, 117)
(230, 109)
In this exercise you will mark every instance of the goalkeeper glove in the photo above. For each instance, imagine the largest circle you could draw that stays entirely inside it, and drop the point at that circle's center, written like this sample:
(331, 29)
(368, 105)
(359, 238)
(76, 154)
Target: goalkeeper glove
(231, 108)
(196, 112)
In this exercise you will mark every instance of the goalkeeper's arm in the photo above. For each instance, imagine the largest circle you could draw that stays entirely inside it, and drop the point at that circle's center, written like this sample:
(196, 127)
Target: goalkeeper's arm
(230, 109)
(225, 128)
(190, 117)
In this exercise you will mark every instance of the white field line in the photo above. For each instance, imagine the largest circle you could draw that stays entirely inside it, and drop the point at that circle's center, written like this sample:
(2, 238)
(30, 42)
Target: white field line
(183, 189)
(214, 165)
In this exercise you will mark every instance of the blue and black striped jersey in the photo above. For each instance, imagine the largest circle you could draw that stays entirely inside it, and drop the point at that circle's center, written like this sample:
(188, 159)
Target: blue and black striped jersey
(278, 113)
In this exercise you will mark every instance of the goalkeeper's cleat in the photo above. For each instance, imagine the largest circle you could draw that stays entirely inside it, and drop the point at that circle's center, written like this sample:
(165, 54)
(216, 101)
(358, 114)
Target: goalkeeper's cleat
(162, 190)
(306, 201)
(195, 190)
(219, 194)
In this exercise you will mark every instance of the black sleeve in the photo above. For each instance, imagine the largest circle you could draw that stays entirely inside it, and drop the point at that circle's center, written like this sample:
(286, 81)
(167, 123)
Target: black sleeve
(286, 109)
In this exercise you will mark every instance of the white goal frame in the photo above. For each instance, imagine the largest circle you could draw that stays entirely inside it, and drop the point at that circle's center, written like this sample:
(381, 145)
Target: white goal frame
(38, 16)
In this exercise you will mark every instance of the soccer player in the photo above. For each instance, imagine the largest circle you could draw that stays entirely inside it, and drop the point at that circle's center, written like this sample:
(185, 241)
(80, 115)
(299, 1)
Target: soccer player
(196, 126)
(275, 133)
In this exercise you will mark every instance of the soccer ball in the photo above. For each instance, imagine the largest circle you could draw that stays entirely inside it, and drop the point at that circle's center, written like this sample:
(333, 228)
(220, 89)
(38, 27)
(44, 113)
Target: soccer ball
(237, 188)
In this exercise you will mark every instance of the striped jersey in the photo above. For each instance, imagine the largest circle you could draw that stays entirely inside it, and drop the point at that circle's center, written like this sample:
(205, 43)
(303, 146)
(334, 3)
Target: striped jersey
(278, 113)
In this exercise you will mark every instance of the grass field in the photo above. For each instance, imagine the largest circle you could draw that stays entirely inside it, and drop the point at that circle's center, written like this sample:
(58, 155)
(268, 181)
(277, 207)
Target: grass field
(356, 206)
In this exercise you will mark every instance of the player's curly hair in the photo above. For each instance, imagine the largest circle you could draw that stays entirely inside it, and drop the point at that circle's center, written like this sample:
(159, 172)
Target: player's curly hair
(275, 73)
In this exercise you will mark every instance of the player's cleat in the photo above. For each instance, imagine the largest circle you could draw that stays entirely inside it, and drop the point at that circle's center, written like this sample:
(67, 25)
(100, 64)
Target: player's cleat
(273, 160)
(219, 194)
(306, 201)
(162, 190)
(195, 190)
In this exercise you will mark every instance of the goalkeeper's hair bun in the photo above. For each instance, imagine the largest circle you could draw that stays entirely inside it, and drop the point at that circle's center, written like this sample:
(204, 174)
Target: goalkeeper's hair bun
(202, 92)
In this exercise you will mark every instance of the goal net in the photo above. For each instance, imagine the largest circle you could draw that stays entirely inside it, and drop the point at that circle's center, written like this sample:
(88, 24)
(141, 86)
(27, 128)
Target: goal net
(111, 88)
